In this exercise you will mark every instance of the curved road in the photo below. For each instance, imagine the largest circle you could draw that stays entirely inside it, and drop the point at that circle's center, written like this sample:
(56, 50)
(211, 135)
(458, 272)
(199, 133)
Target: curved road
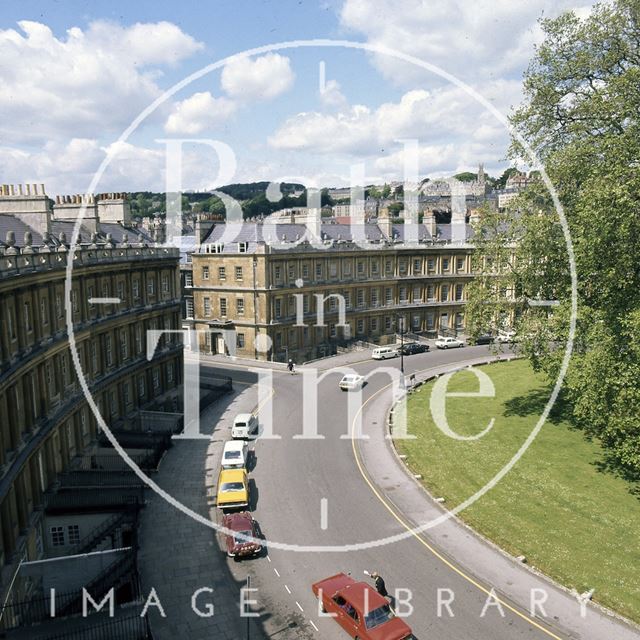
(294, 477)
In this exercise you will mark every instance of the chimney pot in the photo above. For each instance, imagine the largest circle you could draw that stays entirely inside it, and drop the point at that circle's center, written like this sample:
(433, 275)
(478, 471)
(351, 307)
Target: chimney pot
(20, 189)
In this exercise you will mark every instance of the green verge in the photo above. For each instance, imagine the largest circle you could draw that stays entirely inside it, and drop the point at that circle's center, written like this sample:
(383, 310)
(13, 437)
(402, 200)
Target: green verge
(573, 521)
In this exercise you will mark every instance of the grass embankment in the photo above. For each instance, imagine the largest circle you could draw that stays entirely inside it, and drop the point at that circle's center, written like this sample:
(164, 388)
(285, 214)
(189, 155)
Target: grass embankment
(571, 520)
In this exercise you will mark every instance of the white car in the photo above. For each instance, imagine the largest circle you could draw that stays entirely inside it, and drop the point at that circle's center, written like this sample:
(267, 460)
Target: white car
(506, 337)
(448, 343)
(245, 425)
(351, 381)
(234, 454)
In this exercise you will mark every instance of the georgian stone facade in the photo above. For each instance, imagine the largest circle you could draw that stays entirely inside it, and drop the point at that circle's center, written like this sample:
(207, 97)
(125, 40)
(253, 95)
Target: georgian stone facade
(45, 419)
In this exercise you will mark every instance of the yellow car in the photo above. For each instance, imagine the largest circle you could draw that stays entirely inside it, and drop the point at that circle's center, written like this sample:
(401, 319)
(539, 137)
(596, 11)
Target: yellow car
(233, 489)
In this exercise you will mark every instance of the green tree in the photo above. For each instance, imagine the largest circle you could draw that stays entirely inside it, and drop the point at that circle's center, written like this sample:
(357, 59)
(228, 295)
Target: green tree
(581, 115)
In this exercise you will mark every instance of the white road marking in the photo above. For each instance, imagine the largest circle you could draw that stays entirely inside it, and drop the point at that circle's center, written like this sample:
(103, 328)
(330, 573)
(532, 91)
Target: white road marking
(324, 514)
(268, 558)
(299, 607)
(288, 590)
(314, 625)
(276, 572)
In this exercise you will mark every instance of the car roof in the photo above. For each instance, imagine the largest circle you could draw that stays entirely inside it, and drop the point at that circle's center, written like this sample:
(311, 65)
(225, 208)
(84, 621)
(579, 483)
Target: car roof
(238, 521)
(355, 594)
(243, 417)
(351, 375)
(231, 475)
(234, 445)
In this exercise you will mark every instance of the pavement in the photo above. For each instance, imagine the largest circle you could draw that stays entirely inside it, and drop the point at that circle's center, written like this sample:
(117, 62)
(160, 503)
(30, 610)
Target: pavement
(178, 555)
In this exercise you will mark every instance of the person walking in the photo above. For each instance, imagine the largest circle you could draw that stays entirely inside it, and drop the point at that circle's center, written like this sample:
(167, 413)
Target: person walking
(290, 366)
(381, 587)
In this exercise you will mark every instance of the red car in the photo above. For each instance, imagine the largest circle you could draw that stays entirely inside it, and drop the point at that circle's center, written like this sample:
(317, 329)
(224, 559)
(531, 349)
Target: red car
(243, 527)
(360, 610)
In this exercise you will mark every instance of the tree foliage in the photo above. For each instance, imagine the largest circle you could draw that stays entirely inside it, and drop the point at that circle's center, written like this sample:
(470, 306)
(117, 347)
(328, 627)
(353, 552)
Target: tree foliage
(581, 115)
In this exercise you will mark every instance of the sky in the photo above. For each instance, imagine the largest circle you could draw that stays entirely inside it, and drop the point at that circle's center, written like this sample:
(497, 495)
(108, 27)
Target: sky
(76, 74)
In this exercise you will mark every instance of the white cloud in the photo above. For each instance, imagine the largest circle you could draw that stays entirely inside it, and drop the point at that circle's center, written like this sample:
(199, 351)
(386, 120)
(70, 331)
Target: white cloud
(487, 38)
(199, 112)
(331, 96)
(261, 78)
(86, 83)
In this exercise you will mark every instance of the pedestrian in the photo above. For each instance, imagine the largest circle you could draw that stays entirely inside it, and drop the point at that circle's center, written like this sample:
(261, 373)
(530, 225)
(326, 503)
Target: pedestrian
(290, 365)
(381, 588)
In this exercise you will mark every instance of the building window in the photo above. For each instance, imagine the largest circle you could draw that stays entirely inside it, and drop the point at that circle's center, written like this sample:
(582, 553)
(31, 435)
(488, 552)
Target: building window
(431, 265)
(431, 321)
(444, 292)
(240, 306)
(11, 325)
(388, 296)
(222, 273)
(388, 267)
(360, 298)
(240, 340)
(170, 372)
(113, 404)
(121, 291)
(459, 320)
(205, 272)
(333, 269)
(305, 303)
(58, 305)
(126, 394)
(223, 306)
(124, 344)
(387, 323)
(417, 266)
(27, 316)
(65, 369)
(151, 286)
(139, 338)
(188, 279)
(459, 290)
(277, 272)
(305, 270)
(51, 387)
(318, 269)
(73, 532)
(403, 295)
(375, 267)
(189, 308)
(207, 307)
(445, 264)
(374, 324)
(243, 247)
(238, 273)
(108, 350)
(459, 263)
(277, 307)
(57, 536)
(292, 272)
(417, 294)
(165, 284)
(44, 312)
(360, 268)
(415, 323)
(156, 379)
(347, 299)
(347, 268)
(74, 301)
(431, 292)
(94, 357)
(84, 426)
(375, 301)
(402, 267)
(136, 289)
(332, 330)
(360, 326)
(141, 386)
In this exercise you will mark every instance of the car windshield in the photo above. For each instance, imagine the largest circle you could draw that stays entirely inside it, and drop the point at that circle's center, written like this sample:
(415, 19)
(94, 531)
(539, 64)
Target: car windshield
(240, 424)
(241, 537)
(231, 486)
(232, 454)
(378, 616)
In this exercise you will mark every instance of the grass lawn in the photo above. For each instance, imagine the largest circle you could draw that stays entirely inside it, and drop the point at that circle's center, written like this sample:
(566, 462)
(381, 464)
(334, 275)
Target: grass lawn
(577, 524)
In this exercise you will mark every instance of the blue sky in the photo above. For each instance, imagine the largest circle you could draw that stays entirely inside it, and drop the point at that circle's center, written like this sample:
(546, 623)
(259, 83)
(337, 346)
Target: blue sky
(75, 74)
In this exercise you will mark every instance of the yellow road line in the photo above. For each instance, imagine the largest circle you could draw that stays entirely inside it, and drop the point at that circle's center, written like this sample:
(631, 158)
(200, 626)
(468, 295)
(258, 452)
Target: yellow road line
(419, 537)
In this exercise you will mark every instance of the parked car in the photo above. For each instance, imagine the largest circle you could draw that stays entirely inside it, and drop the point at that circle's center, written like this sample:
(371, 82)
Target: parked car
(234, 454)
(506, 336)
(233, 489)
(382, 353)
(449, 343)
(483, 338)
(245, 425)
(351, 381)
(360, 610)
(410, 348)
(243, 526)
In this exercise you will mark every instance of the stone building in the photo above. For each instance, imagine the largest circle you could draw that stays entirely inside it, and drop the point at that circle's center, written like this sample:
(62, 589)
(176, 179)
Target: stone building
(248, 281)
(121, 287)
